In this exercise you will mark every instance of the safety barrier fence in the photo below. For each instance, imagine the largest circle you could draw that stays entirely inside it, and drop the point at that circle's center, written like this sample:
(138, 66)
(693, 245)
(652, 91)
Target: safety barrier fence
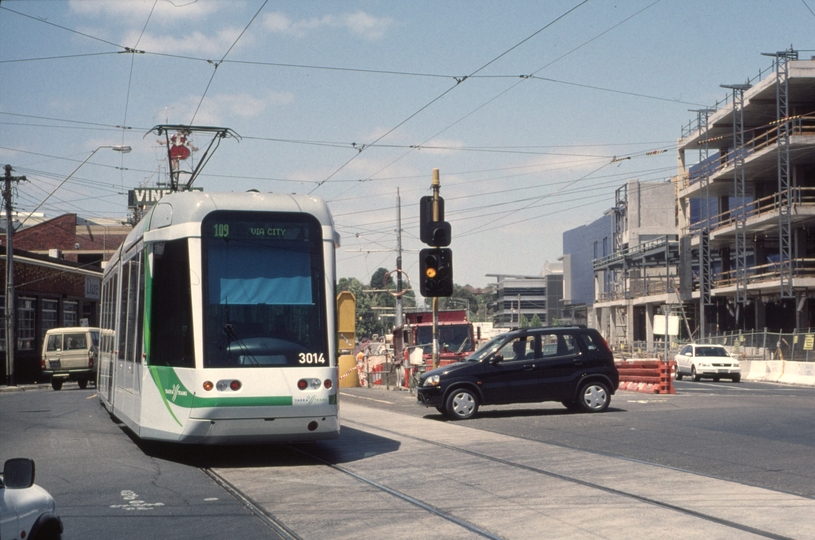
(759, 345)
(647, 376)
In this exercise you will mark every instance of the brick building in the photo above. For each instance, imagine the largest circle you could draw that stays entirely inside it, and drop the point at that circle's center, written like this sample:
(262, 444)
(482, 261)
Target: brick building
(49, 293)
(57, 275)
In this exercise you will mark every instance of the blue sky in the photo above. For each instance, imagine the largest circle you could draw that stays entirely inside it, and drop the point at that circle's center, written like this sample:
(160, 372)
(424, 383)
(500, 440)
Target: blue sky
(521, 105)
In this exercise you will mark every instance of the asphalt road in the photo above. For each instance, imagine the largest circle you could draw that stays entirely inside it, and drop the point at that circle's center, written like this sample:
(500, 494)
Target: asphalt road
(109, 486)
(106, 485)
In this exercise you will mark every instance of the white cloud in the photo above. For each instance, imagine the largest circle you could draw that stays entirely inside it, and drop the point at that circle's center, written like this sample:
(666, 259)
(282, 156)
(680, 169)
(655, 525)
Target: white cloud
(164, 12)
(194, 43)
(217, 109)
(360, 24)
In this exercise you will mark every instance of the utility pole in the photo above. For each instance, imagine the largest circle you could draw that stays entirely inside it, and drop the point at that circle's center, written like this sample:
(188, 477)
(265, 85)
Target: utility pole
(397, 320)
(11, 336)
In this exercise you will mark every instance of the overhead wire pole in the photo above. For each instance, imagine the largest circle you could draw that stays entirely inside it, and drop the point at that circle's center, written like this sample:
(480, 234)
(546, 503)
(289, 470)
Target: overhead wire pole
(11, 336)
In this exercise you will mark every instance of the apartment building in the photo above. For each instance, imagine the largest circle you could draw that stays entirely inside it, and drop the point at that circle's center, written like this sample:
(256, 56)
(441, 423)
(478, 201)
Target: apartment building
(520, 299)
(746, 198)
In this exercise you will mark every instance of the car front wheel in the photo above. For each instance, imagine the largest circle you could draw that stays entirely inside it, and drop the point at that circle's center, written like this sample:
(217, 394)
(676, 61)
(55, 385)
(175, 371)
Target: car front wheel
(678, 375)
(461, 404)
(694, 375)
(594, 397)
(56, 384)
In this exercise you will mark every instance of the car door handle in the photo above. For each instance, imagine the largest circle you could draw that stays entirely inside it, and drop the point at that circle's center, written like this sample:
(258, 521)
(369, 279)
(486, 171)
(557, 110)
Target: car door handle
(529, 367)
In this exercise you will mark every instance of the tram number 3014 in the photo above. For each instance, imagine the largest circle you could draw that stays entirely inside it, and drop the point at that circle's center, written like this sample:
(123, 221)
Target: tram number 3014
(312, 358)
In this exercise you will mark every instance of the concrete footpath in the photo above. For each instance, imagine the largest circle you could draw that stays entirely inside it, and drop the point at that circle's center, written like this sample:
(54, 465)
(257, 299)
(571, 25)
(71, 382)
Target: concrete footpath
(502, 487)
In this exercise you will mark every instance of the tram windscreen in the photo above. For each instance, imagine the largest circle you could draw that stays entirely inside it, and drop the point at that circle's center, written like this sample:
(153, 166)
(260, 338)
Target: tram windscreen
(264, 298)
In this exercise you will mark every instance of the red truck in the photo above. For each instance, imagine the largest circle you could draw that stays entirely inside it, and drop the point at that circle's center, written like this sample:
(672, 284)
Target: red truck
(456, 337)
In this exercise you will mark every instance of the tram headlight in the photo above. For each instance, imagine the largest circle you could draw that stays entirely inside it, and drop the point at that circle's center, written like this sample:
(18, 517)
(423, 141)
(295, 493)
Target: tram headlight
(226, 384)
(208, 385)
(314, 384)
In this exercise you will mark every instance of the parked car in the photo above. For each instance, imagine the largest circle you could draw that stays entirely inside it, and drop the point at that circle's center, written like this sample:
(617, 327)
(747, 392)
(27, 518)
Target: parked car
(572, 365)
(707, 360)
(26, 510)
(71, 354)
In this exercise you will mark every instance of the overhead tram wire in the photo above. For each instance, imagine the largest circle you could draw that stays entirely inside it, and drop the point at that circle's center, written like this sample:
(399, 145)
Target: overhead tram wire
(523, 78)
(43, 21)
(437, 98)
(216, 64)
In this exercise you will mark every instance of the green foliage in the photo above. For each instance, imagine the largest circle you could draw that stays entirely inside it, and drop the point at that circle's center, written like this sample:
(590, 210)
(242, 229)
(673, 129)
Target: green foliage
(523, 322)
(536, 321)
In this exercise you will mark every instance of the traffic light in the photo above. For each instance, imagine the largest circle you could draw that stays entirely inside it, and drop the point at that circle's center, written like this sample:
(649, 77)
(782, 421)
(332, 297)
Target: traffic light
(436, 272)
(433, 233)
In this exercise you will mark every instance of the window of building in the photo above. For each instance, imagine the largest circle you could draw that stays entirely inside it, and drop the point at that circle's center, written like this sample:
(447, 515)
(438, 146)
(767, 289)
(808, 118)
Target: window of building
(50, 315)
(26, 323)
(69, 314)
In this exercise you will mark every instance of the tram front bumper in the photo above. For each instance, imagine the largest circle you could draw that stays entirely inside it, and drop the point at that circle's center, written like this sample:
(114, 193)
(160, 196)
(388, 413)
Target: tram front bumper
(260, 430)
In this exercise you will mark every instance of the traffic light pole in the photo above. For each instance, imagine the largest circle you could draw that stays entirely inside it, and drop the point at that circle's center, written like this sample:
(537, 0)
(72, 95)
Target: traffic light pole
(436, 185)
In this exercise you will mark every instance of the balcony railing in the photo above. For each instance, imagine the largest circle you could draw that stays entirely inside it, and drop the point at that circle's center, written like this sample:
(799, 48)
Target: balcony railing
(762, 273)
(638, 288)
(766, 205)
(759, 140)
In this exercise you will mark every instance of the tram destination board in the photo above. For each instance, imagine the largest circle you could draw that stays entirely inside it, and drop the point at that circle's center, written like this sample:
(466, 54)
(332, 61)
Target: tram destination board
(256, 227)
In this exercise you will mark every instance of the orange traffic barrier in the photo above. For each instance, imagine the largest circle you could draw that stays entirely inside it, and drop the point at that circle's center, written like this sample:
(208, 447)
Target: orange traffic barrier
(647, 376)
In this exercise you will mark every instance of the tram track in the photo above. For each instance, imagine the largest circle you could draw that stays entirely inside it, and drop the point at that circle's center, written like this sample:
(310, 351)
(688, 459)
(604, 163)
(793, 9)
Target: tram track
(591, 485)
(351, 460)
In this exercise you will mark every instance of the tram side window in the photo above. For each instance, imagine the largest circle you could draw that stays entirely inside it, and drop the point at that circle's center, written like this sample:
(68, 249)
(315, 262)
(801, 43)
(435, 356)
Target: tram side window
(109, 313)
(171, 342)
(133, 301)
(120, 328)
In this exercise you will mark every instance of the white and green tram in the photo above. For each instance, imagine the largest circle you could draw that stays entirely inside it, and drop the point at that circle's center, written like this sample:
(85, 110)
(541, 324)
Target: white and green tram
(218, 321)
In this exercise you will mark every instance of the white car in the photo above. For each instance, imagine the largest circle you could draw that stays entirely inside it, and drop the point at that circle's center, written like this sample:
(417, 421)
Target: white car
(704, 360)
(26, 510)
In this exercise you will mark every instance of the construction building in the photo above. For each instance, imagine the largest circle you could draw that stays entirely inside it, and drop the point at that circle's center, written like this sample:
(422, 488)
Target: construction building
(746, 204)
(636, 272)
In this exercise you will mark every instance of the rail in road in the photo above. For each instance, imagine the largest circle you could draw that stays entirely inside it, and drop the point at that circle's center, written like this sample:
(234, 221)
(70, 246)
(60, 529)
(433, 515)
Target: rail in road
(396, 476)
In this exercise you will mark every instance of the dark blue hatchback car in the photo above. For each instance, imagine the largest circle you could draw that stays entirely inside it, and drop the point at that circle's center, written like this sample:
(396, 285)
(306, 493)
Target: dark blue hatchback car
(570, 364)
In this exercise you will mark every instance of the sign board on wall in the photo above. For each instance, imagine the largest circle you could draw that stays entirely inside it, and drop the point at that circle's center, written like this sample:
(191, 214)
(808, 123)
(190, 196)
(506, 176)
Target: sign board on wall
(92, 286)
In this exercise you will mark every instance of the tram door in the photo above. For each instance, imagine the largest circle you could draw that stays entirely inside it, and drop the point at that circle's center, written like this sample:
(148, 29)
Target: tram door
(128, 361)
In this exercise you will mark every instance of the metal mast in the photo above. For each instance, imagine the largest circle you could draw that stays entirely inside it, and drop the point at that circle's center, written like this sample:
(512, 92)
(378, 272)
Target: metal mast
(740, 219)
(704, 218)
(785, 193)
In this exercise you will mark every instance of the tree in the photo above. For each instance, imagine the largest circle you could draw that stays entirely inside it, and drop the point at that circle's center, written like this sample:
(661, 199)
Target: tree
(536, 322)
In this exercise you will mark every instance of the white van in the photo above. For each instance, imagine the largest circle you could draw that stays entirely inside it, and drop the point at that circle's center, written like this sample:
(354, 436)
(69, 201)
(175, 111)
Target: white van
(71, 354)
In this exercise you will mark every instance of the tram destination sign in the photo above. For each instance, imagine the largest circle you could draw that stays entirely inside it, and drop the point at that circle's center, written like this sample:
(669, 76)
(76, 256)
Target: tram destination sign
(148, 196)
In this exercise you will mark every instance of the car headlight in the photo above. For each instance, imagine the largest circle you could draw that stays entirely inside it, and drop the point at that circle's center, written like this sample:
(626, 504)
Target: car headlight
(433, 380)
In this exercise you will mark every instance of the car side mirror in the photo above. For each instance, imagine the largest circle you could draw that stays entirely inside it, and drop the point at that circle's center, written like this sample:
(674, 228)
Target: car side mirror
(497, 359)
(18, 473)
